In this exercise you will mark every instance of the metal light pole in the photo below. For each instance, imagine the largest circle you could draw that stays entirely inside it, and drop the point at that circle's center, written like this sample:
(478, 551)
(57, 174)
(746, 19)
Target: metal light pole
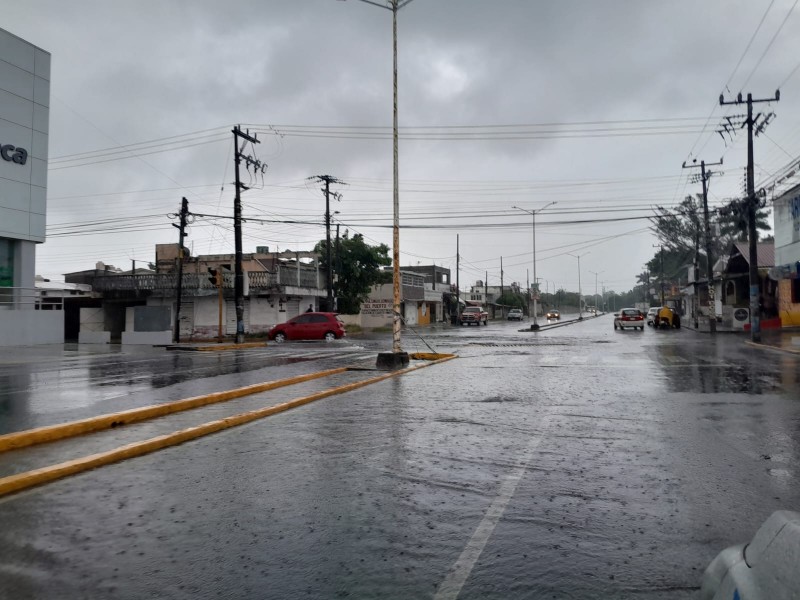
(595, 287)
(532, 213)
(580, 293)
(397, 357)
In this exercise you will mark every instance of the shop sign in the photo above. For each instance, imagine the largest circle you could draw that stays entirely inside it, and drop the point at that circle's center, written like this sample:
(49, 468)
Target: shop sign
(13, 154)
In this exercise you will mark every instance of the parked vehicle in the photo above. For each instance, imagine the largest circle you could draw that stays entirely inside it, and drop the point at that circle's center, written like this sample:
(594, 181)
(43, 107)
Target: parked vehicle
(629, 317)
(473, 314)
(667, 319)
(515, 314)
(309, 326)
(553, 314)
(652, 314)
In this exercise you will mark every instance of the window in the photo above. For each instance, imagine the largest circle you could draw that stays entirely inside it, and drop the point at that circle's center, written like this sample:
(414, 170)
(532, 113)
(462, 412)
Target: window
(795, 290)
(302, 319)
(6, 262)
(317, 319)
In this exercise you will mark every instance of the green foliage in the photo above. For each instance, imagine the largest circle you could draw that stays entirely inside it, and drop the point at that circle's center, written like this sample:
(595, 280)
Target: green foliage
(513, 300)
(357, 269)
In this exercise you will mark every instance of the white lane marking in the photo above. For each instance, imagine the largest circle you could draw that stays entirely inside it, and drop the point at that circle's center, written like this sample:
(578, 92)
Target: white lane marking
(450, 588)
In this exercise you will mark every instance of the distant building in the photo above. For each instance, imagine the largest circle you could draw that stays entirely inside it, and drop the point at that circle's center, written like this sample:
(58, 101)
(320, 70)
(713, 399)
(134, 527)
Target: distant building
(424, 294)
(24, 126)
(140, 307)
(734, 285)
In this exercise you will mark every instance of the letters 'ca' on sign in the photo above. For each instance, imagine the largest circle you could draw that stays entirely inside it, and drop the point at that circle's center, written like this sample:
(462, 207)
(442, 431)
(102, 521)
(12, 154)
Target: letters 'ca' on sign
(13, 154)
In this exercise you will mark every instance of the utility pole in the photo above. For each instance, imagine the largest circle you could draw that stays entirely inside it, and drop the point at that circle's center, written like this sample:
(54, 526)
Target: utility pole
(176, 334)
(502, 291)
(704, 177)
(661, 269)
(528, 284)
(328, 180)
(532, 213)
(458, 285)
(595, 288)
(752, 202)
(338, 266)
(238, 282)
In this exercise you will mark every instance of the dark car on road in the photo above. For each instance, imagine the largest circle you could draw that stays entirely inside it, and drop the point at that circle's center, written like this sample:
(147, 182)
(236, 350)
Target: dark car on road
(309, 326)
(553, 314)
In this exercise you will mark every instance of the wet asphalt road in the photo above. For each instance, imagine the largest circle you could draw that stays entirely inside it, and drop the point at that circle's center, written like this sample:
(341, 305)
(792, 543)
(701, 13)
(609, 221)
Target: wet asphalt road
(576, 463)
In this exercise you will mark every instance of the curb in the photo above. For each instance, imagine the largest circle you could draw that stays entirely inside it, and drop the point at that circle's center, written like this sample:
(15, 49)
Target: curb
(774, 348)
(216, 347)
(52, 433)
(29, 479)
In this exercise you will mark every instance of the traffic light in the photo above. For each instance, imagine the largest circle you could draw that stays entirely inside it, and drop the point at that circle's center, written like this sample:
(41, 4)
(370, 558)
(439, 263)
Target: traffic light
(215, 277)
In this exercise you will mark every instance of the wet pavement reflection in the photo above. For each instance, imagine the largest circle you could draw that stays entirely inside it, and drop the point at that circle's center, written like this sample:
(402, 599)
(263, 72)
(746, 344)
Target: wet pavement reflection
(578, 462)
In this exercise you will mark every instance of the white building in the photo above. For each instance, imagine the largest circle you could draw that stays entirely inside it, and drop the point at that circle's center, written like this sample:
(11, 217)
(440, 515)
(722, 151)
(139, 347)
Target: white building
(24, 119)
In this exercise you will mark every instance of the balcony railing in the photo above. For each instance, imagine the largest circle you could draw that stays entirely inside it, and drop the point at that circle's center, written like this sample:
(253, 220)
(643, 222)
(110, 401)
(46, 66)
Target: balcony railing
(16, 298)
(201, 282)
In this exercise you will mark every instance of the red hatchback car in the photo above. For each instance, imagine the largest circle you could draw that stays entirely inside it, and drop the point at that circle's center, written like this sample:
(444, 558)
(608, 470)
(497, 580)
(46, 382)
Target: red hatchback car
(309, 326)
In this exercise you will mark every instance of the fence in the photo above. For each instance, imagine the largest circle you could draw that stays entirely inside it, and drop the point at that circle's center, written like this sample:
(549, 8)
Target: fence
(168, 282)
(15, 298)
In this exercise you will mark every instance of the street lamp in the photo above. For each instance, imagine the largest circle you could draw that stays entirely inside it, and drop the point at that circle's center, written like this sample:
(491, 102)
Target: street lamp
(595, 287)
(580, 293)
(532, 213)
(395, 358)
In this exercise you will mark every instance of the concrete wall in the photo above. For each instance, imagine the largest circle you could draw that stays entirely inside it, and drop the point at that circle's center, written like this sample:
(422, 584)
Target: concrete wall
(262, 314)
(140, 325)
(31, 327)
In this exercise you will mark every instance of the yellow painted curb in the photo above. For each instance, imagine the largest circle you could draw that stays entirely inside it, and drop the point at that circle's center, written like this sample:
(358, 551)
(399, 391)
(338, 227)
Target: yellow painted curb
(29, 479)
(51, 433)
(429, 356)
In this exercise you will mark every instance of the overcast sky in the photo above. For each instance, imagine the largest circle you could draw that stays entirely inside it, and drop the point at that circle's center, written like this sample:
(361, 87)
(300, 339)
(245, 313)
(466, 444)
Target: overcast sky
(503, 103)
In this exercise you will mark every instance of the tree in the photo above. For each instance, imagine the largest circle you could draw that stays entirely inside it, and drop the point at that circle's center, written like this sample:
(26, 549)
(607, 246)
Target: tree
(512, 300)
(733, 221)
(357, 269)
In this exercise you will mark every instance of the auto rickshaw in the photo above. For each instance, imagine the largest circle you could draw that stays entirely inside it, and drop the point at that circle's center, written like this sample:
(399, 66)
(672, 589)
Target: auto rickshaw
(667, 319)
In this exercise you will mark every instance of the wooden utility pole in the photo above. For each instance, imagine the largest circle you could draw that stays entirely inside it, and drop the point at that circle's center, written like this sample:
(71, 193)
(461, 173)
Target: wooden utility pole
(238, 282)
(328, 180)
(705, 175)
(176, 334)
(752, 205)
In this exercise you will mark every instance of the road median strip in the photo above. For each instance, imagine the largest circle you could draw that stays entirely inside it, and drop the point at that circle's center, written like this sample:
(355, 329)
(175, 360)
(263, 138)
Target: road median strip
(52, 433)
(22, 481)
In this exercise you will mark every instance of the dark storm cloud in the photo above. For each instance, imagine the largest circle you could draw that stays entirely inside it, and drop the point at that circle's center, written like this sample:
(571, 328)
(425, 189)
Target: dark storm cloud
(131, 71)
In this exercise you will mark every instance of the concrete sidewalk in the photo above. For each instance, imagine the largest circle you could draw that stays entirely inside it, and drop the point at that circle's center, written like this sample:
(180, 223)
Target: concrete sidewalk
(785, 340)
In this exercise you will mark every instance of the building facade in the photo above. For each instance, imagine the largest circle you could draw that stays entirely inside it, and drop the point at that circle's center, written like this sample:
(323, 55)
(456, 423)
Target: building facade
(24, 125)
(140, 307)
(786, 214)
